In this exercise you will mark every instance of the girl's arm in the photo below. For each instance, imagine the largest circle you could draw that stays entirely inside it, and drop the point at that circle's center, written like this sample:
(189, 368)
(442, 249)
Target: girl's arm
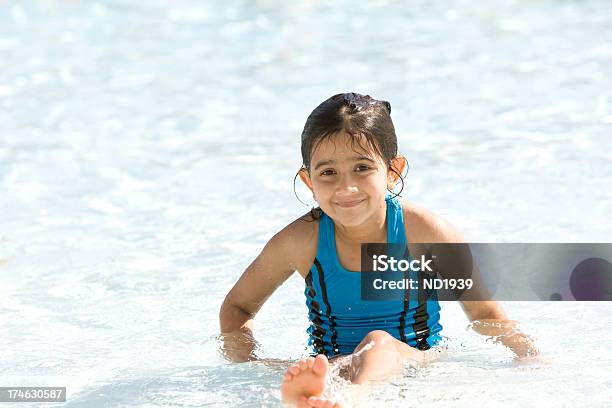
(280, 257)
(486, 316)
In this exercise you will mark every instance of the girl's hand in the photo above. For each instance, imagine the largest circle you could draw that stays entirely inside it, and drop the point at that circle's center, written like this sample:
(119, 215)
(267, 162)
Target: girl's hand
(238, 346)
(506, 332)
(521, 344)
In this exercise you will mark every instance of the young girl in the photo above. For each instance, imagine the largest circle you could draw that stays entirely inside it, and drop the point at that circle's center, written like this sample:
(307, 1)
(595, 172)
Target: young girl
(351, 165)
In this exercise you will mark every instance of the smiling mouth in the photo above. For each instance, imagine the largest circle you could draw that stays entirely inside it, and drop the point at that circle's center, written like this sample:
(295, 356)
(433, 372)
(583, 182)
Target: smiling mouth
(349, 204)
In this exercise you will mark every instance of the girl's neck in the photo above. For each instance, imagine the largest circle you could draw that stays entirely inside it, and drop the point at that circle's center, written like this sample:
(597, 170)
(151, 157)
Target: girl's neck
(373, 230)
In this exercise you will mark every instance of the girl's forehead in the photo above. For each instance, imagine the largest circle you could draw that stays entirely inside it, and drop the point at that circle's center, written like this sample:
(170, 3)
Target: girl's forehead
(341, 146)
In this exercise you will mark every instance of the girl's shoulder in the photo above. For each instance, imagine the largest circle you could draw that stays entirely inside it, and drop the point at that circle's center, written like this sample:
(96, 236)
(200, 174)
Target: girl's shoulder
(303, 228)
(299, 241)
(423, 226)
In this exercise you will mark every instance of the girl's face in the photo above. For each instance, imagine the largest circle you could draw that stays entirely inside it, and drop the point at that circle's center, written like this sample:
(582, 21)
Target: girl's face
(349, 183)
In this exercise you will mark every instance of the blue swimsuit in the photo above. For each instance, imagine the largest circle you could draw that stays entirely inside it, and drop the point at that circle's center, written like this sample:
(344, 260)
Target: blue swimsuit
(340, 319)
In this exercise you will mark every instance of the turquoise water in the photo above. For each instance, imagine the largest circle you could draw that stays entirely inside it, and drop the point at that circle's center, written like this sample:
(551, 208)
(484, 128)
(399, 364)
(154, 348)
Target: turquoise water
(147, 152)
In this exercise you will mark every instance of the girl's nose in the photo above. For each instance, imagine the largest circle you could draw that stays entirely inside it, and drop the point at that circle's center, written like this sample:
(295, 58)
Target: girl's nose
(346, 184)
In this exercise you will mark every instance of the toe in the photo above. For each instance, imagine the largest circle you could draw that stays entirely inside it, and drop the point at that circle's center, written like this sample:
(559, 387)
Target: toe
(303, 365)
(320, 365)
(302, 402)
(295, 370)
(315, 402)
(319, 402)
(310, 362)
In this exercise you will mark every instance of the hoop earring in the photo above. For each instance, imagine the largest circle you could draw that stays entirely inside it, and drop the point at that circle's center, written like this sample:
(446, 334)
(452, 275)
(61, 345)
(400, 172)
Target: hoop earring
(295, 192)
(400, 179)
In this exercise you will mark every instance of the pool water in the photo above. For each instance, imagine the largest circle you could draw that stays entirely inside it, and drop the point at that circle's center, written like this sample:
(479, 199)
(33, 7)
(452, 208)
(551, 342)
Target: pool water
(147, 153)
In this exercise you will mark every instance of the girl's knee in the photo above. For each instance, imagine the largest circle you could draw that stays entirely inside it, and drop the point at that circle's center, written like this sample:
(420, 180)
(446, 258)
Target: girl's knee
(376, 338)
(377, 335)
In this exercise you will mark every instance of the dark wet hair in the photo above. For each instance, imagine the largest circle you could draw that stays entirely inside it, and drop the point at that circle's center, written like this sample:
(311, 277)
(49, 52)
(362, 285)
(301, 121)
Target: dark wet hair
(365, 120)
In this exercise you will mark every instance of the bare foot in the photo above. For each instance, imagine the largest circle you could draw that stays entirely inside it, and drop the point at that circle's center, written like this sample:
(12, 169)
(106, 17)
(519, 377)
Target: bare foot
(306, 378)
(318, 402)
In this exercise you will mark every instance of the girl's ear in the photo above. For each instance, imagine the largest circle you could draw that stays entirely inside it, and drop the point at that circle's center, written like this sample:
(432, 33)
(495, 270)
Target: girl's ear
(398, 164)
(305, 177)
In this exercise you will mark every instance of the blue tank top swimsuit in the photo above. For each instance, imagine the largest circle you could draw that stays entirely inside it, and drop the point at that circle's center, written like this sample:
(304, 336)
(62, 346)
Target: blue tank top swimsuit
(340, 319)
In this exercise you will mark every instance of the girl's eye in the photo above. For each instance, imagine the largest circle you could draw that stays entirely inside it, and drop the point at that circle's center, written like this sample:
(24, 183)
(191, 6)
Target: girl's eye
(363, 167)
(327, 173)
